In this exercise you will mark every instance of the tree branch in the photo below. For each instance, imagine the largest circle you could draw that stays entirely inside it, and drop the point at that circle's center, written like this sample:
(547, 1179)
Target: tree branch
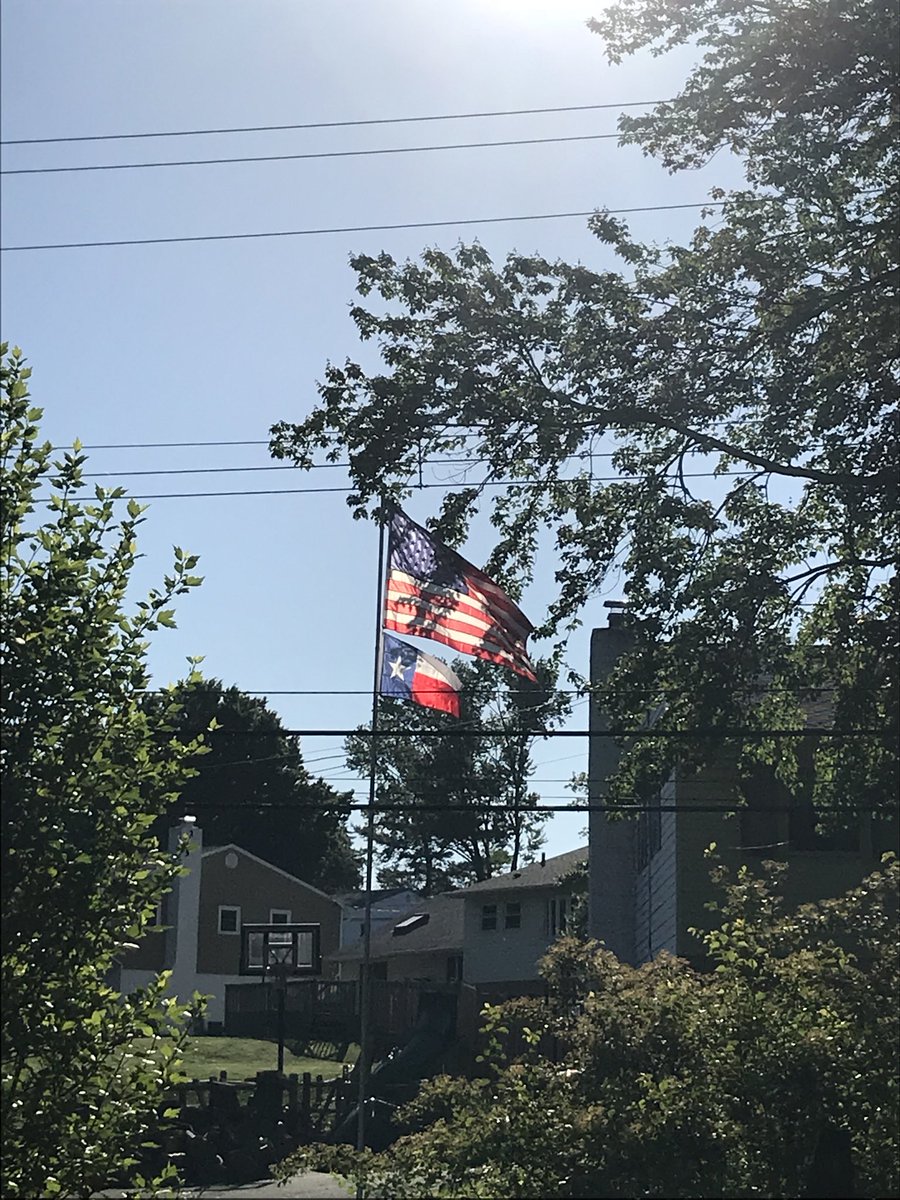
(636, 416)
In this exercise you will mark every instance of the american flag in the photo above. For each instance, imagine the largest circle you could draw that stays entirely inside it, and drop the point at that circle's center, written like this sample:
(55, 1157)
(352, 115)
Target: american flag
(434, 593)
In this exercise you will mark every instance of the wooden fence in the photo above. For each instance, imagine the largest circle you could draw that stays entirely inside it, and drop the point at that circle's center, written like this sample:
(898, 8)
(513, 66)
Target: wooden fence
(308, 1105)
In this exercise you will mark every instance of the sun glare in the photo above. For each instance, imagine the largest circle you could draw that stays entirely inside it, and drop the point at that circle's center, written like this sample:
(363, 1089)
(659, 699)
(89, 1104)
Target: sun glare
(547, 12)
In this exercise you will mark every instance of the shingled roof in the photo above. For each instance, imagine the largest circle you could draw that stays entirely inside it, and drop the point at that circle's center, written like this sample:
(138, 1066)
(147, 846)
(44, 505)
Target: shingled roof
(442, 933)
(547, 873)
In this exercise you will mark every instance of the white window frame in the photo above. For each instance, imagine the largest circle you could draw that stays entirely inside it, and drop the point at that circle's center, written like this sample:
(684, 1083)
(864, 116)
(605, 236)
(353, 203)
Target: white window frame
(235, 908)
(490, 913)
(557, 916)
(275, 915)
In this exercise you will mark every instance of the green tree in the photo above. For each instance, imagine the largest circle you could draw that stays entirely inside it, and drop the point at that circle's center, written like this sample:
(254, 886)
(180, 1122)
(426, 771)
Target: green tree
(763, 350)
(457, 807)
(775, 1074)
(85, 771)
(251, 787)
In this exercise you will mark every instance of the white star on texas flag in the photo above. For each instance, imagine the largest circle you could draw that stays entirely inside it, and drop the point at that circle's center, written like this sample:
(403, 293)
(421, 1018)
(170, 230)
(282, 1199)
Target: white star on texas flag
(397, 668)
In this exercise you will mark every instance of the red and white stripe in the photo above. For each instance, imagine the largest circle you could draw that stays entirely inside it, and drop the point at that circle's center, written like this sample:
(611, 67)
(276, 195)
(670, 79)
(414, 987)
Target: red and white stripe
(483, 622)
(435, 685)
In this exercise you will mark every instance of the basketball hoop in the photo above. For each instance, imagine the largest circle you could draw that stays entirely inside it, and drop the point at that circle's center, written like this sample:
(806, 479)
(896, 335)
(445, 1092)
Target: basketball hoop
(289, 949)
(275, 953)
(279, 963)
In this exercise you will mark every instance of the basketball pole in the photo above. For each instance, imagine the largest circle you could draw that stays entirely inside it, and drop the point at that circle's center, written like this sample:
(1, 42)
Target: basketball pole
(365, 995)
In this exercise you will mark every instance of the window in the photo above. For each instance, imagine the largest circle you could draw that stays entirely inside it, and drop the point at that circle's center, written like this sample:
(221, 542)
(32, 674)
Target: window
(454, 968)
(229, 918)
(557, 916)
(489, 916)
(279, 916)
(513, 916)
(255, 945)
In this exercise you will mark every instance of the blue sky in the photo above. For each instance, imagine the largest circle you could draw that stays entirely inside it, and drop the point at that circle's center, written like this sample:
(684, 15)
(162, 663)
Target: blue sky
(216, 341)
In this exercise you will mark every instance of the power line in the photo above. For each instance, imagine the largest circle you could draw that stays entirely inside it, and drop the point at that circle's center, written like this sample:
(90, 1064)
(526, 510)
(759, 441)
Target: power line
(316, 491)
(461, 431)
(468, 464)
(468, 430)
(288, 233)
(705, 806)
(586, 691)
(465, 116)
(314, 154)
(162, 445)
(432, 462)
(676, 734)
(444, 485)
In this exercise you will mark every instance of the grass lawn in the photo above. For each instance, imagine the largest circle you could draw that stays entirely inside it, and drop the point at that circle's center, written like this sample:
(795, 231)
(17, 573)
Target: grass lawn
(243, 1057)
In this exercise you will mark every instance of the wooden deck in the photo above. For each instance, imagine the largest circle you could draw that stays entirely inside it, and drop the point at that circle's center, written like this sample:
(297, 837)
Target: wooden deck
(321, 1010)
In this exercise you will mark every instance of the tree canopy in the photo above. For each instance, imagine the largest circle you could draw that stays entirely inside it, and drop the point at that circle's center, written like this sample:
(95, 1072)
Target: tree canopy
(86, 770)
(251, 787)
(457, 807)
(774, 1074)
(760, 354)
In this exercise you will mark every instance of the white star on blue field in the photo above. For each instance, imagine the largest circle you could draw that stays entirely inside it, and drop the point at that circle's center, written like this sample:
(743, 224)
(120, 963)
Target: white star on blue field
(397, 668)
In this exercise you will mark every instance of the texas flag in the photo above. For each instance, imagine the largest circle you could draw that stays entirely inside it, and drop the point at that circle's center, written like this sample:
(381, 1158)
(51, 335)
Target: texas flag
(410, 674)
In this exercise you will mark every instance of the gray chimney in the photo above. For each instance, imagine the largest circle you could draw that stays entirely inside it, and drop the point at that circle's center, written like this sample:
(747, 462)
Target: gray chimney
(183, 913)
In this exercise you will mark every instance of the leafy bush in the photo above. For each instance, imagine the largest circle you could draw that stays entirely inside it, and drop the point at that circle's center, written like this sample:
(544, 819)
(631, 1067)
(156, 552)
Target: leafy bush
(85, 771)
(738, 1081)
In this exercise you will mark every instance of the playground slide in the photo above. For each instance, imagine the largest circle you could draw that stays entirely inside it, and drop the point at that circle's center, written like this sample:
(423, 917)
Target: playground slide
(413, 1062)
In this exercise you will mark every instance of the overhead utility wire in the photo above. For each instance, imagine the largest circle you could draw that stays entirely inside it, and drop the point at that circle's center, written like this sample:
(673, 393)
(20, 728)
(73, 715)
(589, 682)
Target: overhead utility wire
(468, 463)
(465, 430)
(312, 154)
(289, 233)
(465, 116)
(586, 691)
(445, 485)
(678, 734)
(705, 807)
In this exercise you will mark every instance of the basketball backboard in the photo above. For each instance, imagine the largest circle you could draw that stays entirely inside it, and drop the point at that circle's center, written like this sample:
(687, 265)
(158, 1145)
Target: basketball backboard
(285, 949)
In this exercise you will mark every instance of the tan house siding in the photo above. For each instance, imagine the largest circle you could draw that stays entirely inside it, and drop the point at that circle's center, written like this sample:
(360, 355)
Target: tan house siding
(256, 888)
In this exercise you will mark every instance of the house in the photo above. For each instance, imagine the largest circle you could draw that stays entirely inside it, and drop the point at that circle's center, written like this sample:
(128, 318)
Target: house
(510, 921)
(388, 906)
(649, 882)
(198, 933)
(425, 945)
(492, 934)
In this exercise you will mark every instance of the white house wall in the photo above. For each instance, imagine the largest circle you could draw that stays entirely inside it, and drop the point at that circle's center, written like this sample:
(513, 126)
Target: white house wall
(212, 986)
(500, 955)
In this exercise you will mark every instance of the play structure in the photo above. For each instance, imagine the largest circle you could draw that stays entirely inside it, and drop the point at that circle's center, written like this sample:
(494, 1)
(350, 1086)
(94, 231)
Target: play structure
(396, 1078)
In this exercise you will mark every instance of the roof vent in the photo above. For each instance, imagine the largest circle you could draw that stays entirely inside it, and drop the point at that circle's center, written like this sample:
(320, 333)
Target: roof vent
(408, 924)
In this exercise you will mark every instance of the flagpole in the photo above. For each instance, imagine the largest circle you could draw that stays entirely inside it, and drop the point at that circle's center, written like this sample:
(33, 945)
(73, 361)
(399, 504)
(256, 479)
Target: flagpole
(365, 997)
